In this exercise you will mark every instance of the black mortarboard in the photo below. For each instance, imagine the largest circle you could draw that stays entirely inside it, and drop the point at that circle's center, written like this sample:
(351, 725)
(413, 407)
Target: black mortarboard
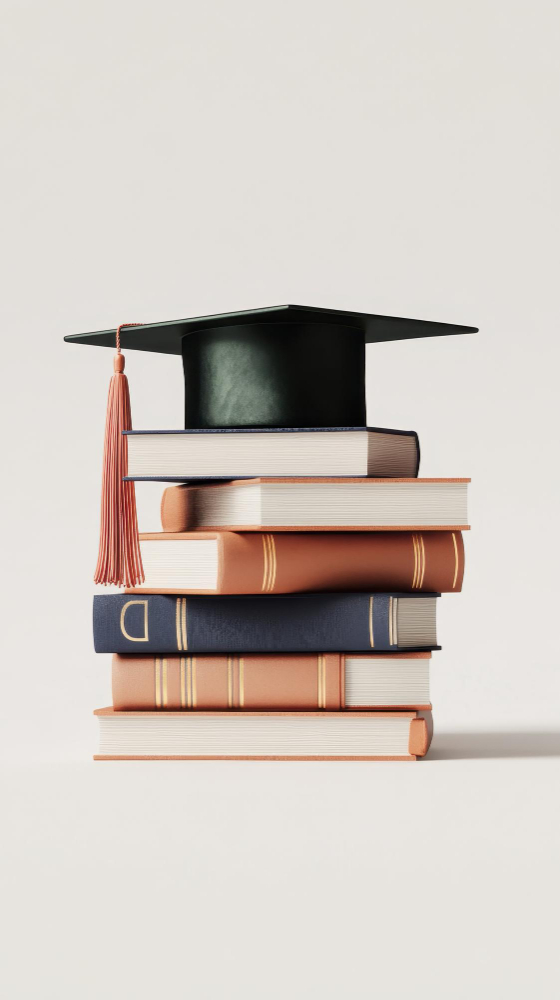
(285, 366)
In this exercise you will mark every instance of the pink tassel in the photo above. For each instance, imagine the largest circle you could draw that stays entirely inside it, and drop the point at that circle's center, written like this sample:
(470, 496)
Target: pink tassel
(119, 560)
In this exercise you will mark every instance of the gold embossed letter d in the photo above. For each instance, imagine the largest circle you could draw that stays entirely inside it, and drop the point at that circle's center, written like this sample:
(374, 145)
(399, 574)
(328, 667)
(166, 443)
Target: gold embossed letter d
(135, 638)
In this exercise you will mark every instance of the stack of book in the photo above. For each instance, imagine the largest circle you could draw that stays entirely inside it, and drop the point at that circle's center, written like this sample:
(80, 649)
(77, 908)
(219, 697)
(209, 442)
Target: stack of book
(282, 616)
(288, 607)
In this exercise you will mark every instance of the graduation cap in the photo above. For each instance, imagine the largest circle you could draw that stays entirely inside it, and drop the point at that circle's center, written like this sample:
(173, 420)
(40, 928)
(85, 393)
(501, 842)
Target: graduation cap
(284, 366)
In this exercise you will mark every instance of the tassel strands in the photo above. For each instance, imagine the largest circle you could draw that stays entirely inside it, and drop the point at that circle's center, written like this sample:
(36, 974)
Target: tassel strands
(119, 561)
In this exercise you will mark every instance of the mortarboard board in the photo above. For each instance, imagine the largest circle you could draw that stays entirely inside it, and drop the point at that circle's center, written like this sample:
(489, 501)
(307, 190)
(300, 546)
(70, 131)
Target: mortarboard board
(285, 366)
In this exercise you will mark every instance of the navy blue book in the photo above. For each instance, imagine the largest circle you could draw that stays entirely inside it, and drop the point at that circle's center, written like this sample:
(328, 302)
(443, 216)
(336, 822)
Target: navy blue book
(247, 453)
(284, 623)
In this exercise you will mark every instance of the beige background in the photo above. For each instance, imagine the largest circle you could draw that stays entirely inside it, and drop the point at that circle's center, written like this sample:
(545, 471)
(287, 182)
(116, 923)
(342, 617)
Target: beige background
(174, 159)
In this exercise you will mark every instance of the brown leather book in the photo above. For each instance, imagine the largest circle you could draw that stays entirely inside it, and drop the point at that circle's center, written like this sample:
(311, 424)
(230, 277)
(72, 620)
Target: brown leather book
(317, 504)
(293, 682)
(263, 735)
(226, 562)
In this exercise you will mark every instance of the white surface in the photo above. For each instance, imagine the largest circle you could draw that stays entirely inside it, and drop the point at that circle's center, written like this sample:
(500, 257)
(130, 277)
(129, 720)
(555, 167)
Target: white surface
(174, 159)
(289, 879)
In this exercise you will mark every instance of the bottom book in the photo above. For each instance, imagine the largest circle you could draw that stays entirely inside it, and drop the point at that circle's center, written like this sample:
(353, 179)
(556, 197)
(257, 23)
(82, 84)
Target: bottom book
(263, 735)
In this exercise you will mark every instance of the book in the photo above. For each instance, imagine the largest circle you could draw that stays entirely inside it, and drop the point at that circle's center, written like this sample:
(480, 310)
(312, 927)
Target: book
(227, 562)
(317, 504)
(225, 453)
(330, 681)
(274, 623)
(263, 735)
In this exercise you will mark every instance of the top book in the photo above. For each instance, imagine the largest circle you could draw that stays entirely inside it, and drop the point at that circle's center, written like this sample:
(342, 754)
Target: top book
(284, 366)
(180, 456)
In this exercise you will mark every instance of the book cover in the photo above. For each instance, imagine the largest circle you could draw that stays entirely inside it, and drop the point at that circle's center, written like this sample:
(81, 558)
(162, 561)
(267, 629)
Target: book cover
(292, 682)
(263, 735)
(286, 563)
(162, 624)
(237, 452)
(317, 503)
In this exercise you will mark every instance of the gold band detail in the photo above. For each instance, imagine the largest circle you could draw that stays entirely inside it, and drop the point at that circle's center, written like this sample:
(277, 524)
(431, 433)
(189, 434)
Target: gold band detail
(321, 681)
(419, 562)
(265, 562)
(230, 682)
(395, 619)
(456, 560)
(193, 681)
(272, 544)
(178, 622)
(184, 623)
(371, 639)
(182, 672)
(269, 563)
(423, 561)
(157, 664)
(390, 621)
(241, 682)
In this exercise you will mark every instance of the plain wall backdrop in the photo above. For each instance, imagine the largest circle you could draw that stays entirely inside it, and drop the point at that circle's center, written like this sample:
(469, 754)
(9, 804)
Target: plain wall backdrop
(173, 159)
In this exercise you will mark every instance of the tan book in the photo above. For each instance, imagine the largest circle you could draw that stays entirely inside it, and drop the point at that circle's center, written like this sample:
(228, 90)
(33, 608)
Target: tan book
(263, 735)
(226, 562)
(317, 504)
(294, 682)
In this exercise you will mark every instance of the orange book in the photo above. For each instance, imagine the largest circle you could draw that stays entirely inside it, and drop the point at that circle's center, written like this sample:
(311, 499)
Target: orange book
(256, 681)
(263, 735)
(228, 562)
(317, 504)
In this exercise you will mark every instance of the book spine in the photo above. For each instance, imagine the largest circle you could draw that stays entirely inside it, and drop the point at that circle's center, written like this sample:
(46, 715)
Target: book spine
(289, 563)
(265, 624)
(252, 682)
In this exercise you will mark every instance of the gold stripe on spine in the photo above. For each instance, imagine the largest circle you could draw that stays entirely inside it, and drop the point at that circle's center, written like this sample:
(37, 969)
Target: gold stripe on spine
(269, 563)
(456, 561)
(184, 622)
(182, 674)
(193, 681)
(415, 574)
(164, 683)
(178, 622)
(158, 681)
(229, 682)
(241, 682)
(390, 621)
(265, 562)
(394, 615)
(423, 560)
(267, 567)
(273, 560)
(371, 637)
(189, 683)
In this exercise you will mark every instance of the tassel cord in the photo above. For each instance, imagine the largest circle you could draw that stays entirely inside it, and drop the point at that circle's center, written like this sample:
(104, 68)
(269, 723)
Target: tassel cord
(119, 560)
